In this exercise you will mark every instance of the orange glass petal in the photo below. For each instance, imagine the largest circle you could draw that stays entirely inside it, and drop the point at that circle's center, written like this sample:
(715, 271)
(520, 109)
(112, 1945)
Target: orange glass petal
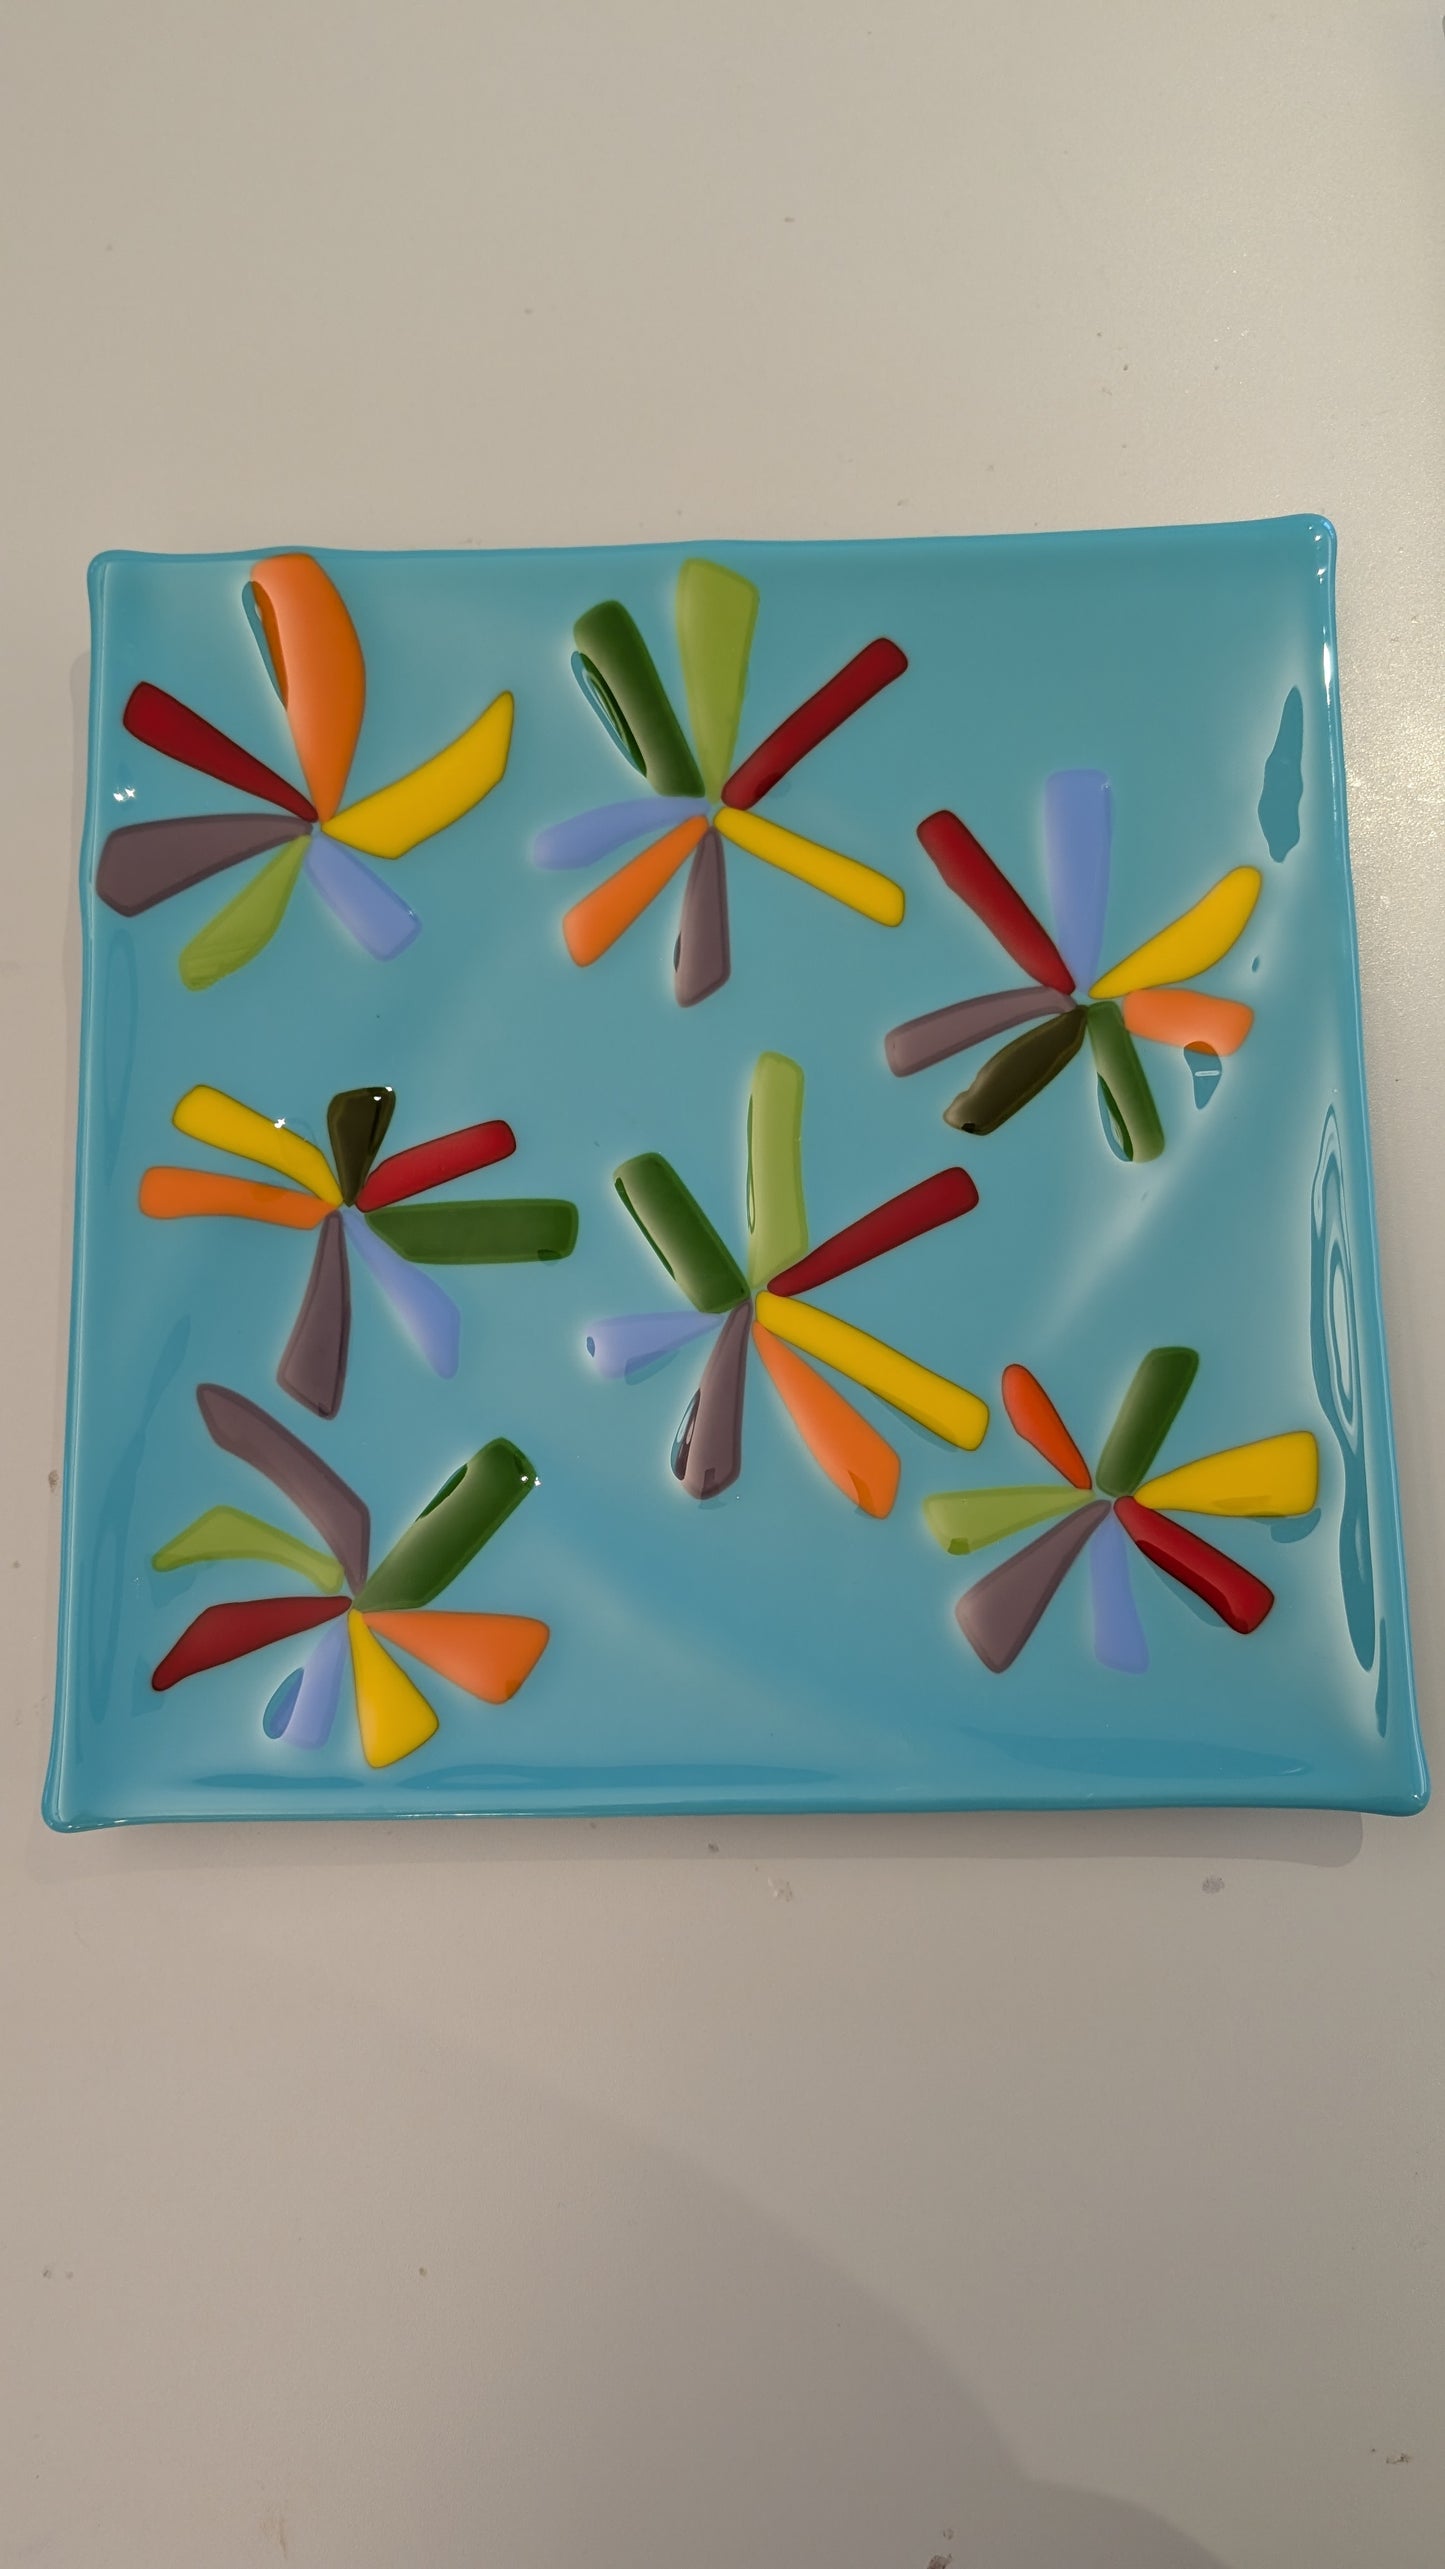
(168, 1195)
(1187, 1017)
(1033, 1416)
(596, 923)
(859, 1462)
(319, 669)
(490, 1655)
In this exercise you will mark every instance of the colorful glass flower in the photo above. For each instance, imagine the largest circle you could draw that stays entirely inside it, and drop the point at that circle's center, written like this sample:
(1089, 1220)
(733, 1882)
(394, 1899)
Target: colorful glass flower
(760, 1299)
(1139, 996)
(359, 1609)
(352, 1204)
(695, 788)
(1277, 1477)
(314, 658)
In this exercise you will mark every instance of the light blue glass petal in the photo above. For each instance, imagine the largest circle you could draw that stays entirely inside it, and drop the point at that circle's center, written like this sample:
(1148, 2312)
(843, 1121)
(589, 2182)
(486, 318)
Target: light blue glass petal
(1118, 1634)
(278, 1712)
(376, 916)
(1078, 826)
(319, 1692)
(595, 834)
(429, 1316)
(622, 1349)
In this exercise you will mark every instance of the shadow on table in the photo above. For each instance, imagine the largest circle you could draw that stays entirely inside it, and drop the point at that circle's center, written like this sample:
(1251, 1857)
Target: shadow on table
(1327, 1839)
(386, 2297)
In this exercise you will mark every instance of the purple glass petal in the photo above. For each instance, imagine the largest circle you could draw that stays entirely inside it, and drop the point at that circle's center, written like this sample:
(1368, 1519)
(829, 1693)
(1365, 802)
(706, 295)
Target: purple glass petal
(946, 1031)
(317, 1696)
(313, 1366)
(147, 861)
(376, 916)
(1118, 1634)
(1078, 823)
(595, 834)
(622, 1348)
(702, 956)
(341, 1519)
(714, 1445)
(998, 1613)
(429, 1316)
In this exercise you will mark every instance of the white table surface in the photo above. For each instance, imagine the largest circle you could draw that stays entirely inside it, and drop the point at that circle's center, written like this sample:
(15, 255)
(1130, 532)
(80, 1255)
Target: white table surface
(1031, 2193)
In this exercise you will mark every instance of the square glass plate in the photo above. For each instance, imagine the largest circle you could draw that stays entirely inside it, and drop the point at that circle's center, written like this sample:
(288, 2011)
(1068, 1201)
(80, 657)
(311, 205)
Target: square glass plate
(746, 1604)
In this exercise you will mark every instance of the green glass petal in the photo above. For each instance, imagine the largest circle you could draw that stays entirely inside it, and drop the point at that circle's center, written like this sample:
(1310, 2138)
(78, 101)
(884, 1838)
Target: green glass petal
(606, 707)
(1017, 1073)
(357, 1119)
(777, 1216)
(247, 923)
(229, 1534)
(450, 1530)
(476, 1235)
(969, 1520)
(1127, 1092)
(678, 1229)
(716, 612)
(613, 651)
(1148, 1411)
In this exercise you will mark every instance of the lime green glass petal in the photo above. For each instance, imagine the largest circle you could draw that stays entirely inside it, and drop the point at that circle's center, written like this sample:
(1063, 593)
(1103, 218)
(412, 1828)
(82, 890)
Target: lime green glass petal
(246, 924)
(969, 1520)
(716, 612)
(777, 1216)
(230, 1534)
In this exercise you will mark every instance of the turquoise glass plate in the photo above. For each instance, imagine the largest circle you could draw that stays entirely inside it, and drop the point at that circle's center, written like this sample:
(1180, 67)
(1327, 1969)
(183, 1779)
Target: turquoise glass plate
(929, 1535)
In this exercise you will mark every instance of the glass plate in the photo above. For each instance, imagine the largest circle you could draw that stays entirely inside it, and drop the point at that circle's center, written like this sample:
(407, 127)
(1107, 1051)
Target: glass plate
(751, 1604)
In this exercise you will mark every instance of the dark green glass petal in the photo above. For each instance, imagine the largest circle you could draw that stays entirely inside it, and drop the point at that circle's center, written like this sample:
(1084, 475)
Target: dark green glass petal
(357, 1120)
(1011, 1077)
(450, 1530)
(606, 707)
(1126, 1087)
(479, 1235)
(1148, 1411)
(680, 1232)
(613, 653)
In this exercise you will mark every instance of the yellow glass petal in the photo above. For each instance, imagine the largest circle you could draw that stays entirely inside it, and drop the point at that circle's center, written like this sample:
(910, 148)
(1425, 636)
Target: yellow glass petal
(959, 1416)
(1280, 1476)
(841, 877)
(433, 795)
(208, 1115)
(1190, 944)
(392, 1714)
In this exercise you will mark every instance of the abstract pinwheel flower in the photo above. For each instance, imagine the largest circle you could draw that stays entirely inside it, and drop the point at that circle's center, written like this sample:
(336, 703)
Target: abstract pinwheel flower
(314, 660)
(350, 1203)
(1077, 831)
(726, 1295)
(702, 802)
(1277, 1477)
(359, 1609)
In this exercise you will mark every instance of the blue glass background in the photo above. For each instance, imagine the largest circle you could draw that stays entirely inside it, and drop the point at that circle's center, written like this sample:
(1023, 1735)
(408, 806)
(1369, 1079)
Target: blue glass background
(773, 1649)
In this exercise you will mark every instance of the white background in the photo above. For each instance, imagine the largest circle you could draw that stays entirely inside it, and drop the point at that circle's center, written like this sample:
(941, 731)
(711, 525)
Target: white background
(1031, 2193)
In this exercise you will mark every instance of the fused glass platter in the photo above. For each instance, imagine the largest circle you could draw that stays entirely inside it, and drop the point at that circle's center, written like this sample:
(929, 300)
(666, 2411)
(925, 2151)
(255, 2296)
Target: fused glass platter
(728, 1177)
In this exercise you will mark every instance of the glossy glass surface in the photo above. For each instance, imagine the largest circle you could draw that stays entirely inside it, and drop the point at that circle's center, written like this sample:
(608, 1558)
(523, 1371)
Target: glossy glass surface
(776, 1647)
